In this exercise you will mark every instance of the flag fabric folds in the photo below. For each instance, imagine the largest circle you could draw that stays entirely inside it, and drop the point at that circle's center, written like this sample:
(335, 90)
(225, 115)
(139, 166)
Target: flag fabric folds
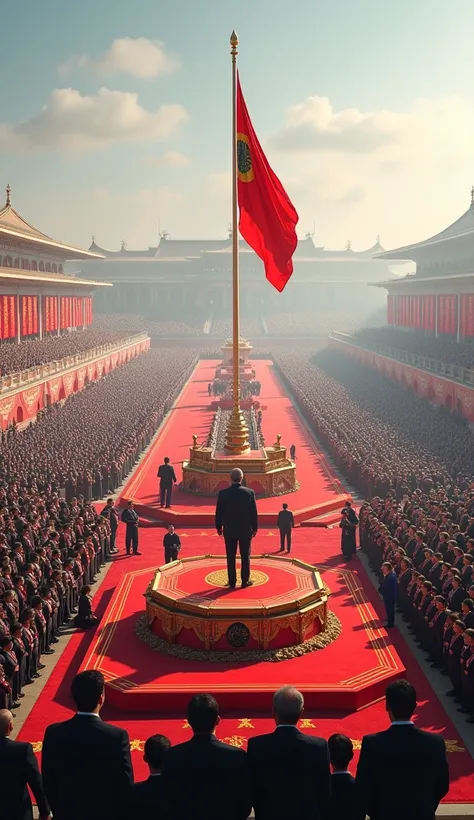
(267, 217)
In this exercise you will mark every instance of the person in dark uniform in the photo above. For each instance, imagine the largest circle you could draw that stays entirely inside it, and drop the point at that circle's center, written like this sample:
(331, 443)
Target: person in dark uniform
(389, 592)
(172, 545)
(110, 513)
(341, 752)
(348, 525)
(285, 523)
(130, 518)
(146, 799)
(237, 518)
(18, 770)
(167, 477)
(403, 771)
(292, 452)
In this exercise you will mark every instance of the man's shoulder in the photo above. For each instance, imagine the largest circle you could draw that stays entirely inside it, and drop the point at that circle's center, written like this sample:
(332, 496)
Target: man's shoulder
(91, 725)
(15, 748)
(292, 736)
(388, 736)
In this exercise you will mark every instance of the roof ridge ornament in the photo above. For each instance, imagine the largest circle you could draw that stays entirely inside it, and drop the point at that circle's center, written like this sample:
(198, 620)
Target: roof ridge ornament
(8, 191)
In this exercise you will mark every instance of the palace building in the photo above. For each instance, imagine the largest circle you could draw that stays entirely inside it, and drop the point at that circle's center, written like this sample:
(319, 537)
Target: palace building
(439, 297)
(183, 276)
(37, 296)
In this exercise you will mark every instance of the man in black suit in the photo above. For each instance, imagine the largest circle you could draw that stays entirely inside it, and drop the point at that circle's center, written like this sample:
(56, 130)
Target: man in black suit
(205, 779)
(146, 798)
(132, 521)
(403, 771)
(285, 523)
(86, 764)
(341, 753)
(18, 770)
(237, 518)
(167, 477)
(289, 770)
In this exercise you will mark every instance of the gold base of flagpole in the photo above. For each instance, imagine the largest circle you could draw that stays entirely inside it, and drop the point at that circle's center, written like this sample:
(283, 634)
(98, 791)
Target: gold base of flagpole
(237, 434)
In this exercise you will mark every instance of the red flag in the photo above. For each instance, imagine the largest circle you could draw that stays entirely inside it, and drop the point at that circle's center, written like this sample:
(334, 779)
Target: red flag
(267, 217)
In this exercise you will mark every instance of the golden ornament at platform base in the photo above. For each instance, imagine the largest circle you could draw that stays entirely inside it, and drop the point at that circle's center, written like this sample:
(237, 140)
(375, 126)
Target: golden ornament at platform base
(237, 436)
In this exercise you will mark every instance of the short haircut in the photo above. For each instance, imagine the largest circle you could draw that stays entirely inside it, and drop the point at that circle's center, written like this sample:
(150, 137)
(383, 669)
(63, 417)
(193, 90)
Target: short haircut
(86, 689)
(167, 461)
(285, 506)
(203, 713)
(236, 475)
(155, 748)
(288, 704)
(400, 697)
(341, 751)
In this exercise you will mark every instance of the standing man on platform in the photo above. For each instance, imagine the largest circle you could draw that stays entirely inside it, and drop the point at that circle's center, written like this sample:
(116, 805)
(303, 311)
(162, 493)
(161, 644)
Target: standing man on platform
(110, 513)
(172, 545)
(285, 523)
(167, 477)
(237, 519)
(130, 518)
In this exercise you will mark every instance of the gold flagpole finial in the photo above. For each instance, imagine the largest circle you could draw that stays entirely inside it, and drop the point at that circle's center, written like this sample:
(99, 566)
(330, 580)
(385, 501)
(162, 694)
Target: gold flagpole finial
(234, 41)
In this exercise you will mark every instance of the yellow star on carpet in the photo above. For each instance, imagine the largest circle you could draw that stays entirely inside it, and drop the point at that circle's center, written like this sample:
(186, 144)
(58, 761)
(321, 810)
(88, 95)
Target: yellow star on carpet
(307, 723)
(452, 746)
(236, 740)
(270, 534)
(37, 747)
(356, 744)
(186, 725)
(204, 533)
(184, 535)
(137, 745)
(245, 723)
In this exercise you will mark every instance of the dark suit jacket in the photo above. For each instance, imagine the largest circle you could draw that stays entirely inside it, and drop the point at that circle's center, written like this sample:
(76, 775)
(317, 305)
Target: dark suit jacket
(341, 806)
(204, 779)
(19, 769)
(290, 775)
(285, 520)
(167, 475)
(146, 799)
(402, 773)
(236, 511)
(87, 770)
(389, 588)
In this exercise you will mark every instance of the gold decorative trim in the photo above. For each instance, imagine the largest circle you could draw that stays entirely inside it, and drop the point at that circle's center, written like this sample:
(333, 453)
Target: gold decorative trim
(219, 578)
(330, 634)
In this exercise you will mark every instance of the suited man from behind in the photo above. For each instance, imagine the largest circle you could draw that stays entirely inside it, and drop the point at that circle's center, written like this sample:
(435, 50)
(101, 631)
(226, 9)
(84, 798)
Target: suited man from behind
(285, 523)
(237, 518)
(146, 799)
(167, 477)
(289, 770)
(18, 770)
(86, 751)
(403, 771)
(341, 752)
(205, 779)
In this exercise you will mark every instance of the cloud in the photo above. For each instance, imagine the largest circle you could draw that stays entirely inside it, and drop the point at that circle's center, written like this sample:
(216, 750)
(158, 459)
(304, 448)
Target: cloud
(170, 159)
(138, 57)
(71, 121)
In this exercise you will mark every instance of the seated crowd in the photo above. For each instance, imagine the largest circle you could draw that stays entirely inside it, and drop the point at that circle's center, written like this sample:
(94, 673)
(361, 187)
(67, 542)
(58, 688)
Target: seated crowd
(33, 352)
(87, 445)
(442, 348)
(87, 770)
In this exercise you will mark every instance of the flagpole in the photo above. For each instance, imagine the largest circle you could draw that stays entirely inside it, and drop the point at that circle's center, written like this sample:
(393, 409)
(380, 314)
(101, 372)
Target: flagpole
(237, 433)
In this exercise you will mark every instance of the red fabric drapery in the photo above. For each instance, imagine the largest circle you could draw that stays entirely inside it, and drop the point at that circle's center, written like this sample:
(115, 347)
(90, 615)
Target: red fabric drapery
(447, 319)
(29, 315)
(88, 310)
(467, 315)
(390, 309)
(429, 304)
(8, 317)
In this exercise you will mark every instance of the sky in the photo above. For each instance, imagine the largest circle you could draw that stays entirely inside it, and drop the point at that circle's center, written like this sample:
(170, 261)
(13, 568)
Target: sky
(115, 115)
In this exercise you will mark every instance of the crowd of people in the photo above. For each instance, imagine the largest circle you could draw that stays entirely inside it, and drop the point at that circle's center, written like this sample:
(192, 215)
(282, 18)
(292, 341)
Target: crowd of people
(50, 555)
(380, 434)
(34, 352)
(86, 768)
(426, 541)
(441, 348)
(89, 444)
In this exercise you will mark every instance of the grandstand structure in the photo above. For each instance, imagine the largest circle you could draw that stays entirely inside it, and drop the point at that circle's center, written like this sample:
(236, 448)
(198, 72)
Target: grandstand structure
(439, 297)
(38, 299)
(191, 280)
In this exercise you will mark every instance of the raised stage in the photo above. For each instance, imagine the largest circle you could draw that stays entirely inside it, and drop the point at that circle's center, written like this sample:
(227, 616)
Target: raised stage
(120, 599)
(319, 497)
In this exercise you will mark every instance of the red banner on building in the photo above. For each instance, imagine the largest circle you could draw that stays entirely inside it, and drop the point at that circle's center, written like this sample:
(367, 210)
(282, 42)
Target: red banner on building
(8, 317)
(447, 319)
(390, 310)
(467, 314)
(429, 309)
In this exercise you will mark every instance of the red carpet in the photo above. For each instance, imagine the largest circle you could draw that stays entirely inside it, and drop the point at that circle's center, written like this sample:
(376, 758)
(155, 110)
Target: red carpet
(320, 491)
(312, 545)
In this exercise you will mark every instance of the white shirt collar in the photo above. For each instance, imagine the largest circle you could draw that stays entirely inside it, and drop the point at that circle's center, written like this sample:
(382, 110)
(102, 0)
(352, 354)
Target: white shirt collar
(402, 723)
(89, 714)
(346, 772)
